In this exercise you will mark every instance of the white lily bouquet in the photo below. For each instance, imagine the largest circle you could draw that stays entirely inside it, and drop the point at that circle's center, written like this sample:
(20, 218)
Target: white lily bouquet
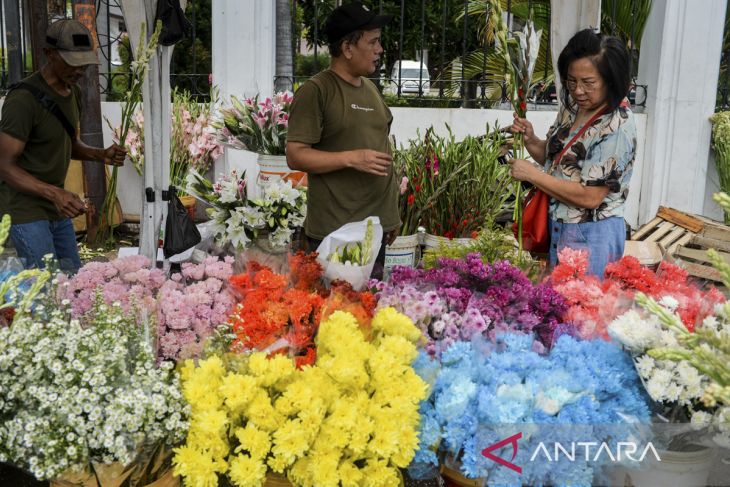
(349, 252)
(239, 220)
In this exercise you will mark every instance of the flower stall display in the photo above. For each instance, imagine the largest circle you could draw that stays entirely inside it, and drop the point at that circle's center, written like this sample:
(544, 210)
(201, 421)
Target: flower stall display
(460, 298)
(281, 313)
(350, 419)
(255, 126)
(594, 303)
(186, 308)
(452, 188)
(484, 392)
(239, 221)
(72, 395)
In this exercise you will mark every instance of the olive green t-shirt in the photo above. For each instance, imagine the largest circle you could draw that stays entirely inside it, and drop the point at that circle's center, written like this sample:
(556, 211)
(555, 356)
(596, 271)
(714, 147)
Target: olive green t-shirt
(47, 150)
(332, 115)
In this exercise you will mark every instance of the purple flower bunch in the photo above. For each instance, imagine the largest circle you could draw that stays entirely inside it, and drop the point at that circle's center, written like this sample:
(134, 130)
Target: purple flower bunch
(462, 297)
(191, 305)
(187, 307)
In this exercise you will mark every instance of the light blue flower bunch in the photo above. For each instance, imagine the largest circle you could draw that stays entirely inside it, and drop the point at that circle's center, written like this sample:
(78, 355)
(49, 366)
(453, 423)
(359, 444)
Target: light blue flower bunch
(582, 391)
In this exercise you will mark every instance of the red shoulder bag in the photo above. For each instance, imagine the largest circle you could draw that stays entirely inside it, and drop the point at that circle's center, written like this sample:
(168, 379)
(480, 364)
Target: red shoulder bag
(535, 231)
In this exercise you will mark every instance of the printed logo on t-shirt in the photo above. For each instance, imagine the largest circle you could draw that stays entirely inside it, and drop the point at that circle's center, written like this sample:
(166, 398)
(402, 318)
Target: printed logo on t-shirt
(355, 106)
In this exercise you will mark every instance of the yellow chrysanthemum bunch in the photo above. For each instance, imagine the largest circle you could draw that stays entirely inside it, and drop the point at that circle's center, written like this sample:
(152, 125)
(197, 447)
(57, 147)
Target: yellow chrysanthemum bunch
(350, 420)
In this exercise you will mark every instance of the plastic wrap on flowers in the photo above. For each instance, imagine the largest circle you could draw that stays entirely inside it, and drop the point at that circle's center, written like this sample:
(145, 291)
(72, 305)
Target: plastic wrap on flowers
(461, 298)
(485, 392)
(351, 416)
(73, 395)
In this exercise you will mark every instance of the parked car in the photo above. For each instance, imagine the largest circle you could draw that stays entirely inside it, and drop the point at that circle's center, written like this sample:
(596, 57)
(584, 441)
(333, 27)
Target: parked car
(411, 74)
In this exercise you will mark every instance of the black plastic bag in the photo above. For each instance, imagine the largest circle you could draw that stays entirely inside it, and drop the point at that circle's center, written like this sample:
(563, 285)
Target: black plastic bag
(180, 231)
(174, 24)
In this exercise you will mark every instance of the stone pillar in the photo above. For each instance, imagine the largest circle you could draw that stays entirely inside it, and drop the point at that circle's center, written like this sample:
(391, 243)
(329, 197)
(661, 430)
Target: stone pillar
(680, 61)
(566, 18)
(244, 62)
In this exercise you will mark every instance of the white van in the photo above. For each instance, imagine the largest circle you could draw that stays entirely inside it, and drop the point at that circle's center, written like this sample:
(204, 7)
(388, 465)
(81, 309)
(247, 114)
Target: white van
(411, 73)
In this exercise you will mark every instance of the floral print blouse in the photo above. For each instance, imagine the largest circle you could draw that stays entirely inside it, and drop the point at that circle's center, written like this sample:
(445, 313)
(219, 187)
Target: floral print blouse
(602, 156)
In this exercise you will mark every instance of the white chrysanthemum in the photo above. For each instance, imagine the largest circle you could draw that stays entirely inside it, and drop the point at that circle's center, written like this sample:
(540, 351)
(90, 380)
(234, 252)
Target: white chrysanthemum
(669, 302)
(633, 331)
(645, 365)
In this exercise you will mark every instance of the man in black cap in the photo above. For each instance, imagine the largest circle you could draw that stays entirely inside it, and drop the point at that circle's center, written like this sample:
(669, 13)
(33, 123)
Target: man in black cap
(338, 133)
(38, 138)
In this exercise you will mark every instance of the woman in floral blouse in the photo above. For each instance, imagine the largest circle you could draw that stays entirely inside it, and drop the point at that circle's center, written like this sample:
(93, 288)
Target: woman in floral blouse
(588, 155)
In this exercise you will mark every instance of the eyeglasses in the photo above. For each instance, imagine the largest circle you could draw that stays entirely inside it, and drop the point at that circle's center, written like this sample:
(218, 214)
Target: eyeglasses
(586, 86)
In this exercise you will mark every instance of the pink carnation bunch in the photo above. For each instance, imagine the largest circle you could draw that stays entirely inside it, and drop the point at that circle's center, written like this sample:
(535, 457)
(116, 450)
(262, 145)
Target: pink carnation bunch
(188, 306)
(191, 305)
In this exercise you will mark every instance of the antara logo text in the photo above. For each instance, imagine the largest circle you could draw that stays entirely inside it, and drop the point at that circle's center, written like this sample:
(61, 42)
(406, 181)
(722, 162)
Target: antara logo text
(583, 451)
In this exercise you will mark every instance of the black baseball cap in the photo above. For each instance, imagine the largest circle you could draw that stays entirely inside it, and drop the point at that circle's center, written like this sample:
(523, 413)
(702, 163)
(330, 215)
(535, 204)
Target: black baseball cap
(351, 17)
(73, 41)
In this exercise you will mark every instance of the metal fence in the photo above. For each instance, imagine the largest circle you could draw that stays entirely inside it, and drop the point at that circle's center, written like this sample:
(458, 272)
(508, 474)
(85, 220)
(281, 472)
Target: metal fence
(114, 49)
(435, 34)
(435, 53)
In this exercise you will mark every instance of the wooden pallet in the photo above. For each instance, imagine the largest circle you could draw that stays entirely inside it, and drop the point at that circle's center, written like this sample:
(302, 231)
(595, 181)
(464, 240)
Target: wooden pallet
(685, 239)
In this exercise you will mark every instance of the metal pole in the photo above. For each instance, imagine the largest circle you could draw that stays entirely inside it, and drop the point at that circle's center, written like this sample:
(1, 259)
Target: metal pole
(443, 46)
(400, 45)
(13, 41)
(91, 127)
(420, 56)
(38, 28)
(463, 53)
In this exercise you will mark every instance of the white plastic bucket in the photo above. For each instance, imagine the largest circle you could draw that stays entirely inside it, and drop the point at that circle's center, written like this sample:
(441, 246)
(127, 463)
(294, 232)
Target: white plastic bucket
(676, 469)
(272, 168)
(405, 251)
(433, 241)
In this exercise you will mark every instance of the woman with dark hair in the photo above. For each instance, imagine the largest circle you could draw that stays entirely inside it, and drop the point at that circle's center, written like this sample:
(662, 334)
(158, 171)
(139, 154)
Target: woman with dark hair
(585, 163)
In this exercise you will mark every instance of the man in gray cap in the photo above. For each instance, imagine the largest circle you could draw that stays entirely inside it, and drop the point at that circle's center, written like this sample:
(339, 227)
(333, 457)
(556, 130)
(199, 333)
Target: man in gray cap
(338, 133)
(38, 138)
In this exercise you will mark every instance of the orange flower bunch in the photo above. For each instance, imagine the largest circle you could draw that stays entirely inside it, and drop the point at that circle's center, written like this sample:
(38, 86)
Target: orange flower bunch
(280, 313)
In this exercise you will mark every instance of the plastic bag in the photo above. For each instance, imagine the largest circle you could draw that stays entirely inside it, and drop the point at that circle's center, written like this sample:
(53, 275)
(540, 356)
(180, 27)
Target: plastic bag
(180, 231)
(350, 233)
(174, 24)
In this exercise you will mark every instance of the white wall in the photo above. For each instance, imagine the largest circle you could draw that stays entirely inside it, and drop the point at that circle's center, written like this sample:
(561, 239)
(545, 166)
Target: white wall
(406, 124)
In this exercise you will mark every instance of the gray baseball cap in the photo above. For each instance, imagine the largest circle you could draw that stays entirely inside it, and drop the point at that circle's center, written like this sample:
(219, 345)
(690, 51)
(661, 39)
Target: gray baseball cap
(73, 42)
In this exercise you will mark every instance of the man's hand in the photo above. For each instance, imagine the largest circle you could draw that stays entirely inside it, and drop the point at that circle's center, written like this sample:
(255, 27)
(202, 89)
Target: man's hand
(114, 155)
(68, 204)
(370, 161)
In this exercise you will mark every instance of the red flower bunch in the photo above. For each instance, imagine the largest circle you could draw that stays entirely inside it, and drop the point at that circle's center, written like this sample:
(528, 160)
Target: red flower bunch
(595, 303)
(280, 313)
(343, 298)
